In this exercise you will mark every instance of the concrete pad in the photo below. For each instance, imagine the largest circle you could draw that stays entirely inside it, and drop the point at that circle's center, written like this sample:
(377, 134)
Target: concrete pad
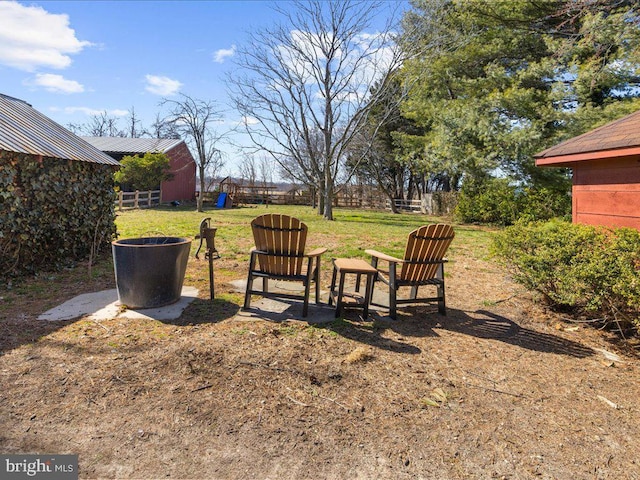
(291, 309)
(281, 286)
(104, 305)
(168, 312)
(83, 305)
(274, 310)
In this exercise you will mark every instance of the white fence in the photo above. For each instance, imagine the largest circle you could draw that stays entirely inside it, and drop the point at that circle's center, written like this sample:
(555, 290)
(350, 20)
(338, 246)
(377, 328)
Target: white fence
(138, 199)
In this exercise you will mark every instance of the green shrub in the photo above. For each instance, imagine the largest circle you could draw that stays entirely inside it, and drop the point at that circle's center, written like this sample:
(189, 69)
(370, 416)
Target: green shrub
(491, 201)
(143, 172)
(496, 201)
(581, 268)
(541, 203)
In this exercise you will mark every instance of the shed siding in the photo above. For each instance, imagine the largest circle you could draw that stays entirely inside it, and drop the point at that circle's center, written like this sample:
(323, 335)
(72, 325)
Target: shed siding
(607, 193)
(183, 185)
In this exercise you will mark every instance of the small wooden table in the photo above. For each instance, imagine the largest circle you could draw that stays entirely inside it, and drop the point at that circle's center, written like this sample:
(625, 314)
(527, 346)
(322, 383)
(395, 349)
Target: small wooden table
(359, 267)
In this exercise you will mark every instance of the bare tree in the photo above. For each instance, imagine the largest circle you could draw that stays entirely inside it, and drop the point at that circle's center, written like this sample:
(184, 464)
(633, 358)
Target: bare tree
(195, 119)
(213, 170)
(134, 125)
(103, 125)
(161, 128)
(99, 125)
(249, 169)
(266, 170)
(309, 76)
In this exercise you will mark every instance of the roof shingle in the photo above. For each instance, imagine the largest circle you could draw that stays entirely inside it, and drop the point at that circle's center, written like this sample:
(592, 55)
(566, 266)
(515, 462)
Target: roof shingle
(620, 134)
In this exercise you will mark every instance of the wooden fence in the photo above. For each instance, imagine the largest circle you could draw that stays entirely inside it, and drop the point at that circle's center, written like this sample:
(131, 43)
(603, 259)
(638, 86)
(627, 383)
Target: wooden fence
(406, 205)
(438, 203)
(138, 199)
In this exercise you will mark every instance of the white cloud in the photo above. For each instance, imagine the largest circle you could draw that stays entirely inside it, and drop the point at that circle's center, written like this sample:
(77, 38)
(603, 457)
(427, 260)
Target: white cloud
(31, 37)
(56, 83)
(163, 86)
(248, 121)
(91, 111)
(221, 55)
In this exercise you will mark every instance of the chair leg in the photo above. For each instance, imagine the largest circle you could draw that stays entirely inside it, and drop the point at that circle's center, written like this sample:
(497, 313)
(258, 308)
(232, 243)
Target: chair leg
(317, 279)
(392, 303)
(442, 307)
(392, 291)
(414, 292)
(247, 294)
(307, 288)
(305, 306)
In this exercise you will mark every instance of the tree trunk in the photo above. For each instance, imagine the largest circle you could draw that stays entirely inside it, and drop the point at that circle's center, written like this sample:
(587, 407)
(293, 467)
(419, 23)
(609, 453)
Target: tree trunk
(321, 198)
(200, 202)
(392, 202)
(328, 198)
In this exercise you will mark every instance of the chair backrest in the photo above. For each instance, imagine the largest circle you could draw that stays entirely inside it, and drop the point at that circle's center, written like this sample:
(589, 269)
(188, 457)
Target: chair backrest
(426, 247)
(283, 238)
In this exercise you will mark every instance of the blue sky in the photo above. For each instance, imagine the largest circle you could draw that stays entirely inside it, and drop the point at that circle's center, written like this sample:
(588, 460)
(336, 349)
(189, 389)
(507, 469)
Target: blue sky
(74, 59)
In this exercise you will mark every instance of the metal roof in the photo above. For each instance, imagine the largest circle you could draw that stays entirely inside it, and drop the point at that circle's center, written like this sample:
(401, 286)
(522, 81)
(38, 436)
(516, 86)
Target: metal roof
(25, 130)
(133, 145)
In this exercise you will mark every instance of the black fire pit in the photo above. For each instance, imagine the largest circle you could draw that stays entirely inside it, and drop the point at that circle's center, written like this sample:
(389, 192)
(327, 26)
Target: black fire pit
(150, 270)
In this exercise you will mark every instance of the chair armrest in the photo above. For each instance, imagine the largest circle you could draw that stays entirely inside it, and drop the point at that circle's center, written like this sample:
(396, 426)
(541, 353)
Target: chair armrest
(315, 252)
(383, 256)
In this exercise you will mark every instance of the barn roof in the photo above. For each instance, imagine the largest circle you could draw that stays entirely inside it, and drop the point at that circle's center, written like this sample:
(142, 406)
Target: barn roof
(616, 139)
(25, 130)
(121, 145)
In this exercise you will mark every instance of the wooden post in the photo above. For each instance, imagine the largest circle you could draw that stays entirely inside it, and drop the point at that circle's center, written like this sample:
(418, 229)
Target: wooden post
(135, 199)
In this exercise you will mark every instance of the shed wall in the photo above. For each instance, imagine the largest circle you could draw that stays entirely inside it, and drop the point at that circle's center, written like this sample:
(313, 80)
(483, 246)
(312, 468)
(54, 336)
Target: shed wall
(607, 193)
(183, 185)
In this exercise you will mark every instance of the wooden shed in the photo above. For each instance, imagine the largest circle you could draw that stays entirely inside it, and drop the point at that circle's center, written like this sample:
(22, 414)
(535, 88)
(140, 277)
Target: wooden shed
(606, 172)
(182, 187)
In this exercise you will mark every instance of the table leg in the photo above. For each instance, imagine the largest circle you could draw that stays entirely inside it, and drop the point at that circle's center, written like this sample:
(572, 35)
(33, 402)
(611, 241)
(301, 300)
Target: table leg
(340, 293)
(333, 285)
(367, 295)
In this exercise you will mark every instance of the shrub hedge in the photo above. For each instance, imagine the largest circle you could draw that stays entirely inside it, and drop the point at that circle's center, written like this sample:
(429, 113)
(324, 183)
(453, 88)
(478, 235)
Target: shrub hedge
(581, 268)
(496, 201)
(53, 212)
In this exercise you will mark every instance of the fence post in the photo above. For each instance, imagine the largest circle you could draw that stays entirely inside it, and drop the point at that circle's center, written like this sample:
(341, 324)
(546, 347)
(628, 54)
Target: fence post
(120, 199)
(135, 199)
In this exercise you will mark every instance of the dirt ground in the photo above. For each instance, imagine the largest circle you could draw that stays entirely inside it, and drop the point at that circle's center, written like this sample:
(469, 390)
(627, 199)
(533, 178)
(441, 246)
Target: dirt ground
(499, 388)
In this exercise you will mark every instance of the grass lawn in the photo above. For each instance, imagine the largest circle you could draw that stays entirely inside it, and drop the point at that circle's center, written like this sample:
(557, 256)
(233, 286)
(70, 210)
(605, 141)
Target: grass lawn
(348, 235)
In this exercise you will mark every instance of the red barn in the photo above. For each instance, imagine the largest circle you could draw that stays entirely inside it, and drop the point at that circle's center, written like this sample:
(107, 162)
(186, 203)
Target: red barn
(182, 187)
(606, 172)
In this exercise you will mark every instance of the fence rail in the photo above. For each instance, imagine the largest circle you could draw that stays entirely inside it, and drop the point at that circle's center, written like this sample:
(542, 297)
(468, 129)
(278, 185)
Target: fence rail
(138, 199)
(406, 205)
(437, 203)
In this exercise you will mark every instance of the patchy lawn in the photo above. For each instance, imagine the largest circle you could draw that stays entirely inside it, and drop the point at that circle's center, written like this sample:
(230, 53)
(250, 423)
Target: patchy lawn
(499, 388)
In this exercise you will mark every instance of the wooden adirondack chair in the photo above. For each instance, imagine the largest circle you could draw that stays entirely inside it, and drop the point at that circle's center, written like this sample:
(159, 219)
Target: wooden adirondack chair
(279, 253)
(423, 264)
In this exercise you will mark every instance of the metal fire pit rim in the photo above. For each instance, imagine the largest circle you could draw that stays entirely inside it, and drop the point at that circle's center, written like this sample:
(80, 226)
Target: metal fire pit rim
(180, 241)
